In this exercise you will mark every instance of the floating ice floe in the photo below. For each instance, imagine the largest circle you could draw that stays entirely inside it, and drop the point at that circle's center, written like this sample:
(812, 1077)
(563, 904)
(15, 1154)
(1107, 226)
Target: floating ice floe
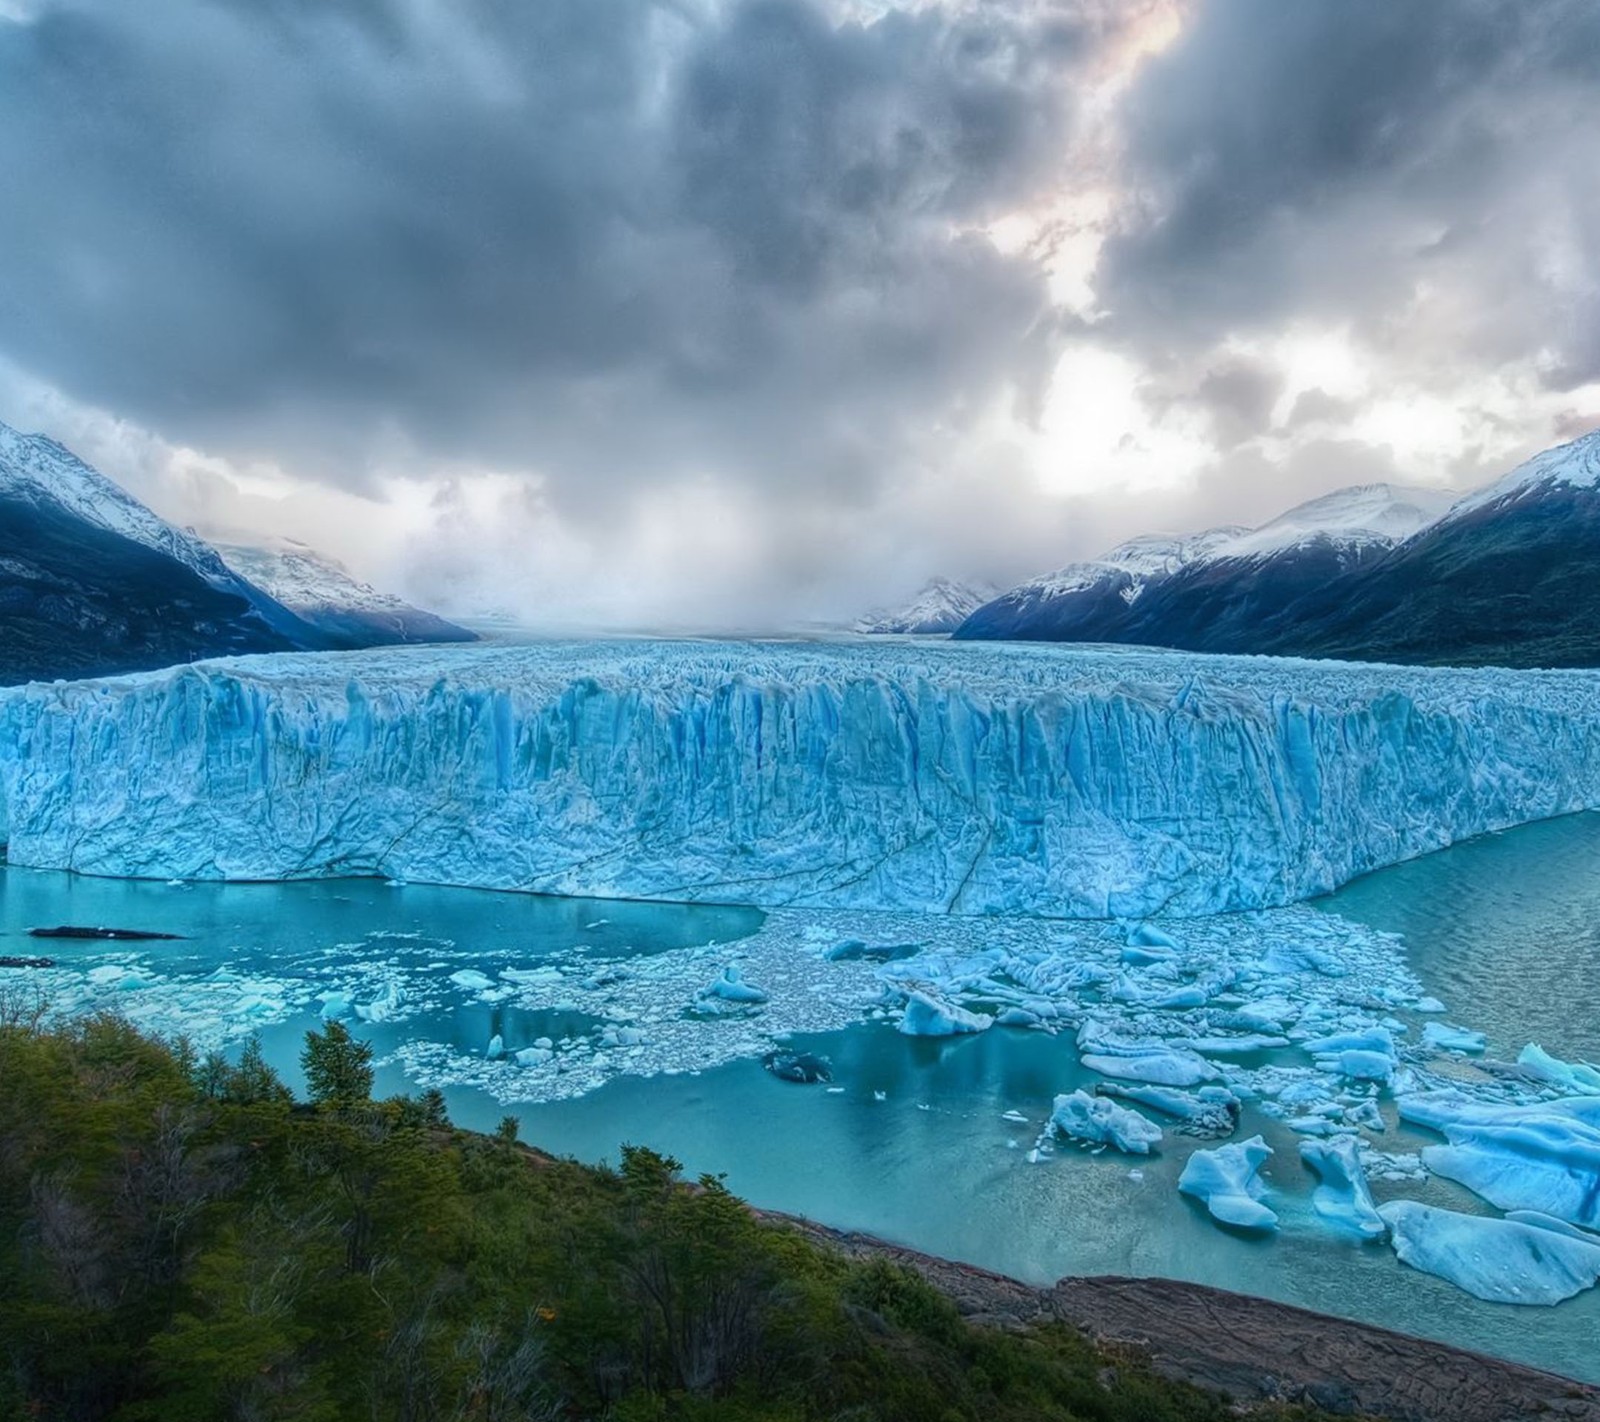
(1445, 1037)
(1526, 1259)
(1100, 1121)
(803, 1067)
(387, 1004)
(335, 1005)
(1364, 1055)
(730, 987)
(929, 1016)
(1210, 1111)
(472, 980)
(1227, 1180)
(1342, 1196)
(1153, 1061)
(1542, 1156)
(1569, 1076)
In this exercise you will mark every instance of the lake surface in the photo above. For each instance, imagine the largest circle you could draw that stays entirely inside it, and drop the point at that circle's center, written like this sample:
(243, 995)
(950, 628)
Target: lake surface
(913, 1144)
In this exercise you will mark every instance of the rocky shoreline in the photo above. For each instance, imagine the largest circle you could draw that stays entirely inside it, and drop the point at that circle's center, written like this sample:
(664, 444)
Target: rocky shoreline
(1252, 1349)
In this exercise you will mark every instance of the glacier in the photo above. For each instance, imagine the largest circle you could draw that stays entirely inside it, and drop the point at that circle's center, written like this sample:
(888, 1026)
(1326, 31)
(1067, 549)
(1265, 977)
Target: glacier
(947, 778)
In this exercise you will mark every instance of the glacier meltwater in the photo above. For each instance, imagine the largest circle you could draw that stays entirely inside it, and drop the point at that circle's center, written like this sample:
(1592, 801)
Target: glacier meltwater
(956, 778)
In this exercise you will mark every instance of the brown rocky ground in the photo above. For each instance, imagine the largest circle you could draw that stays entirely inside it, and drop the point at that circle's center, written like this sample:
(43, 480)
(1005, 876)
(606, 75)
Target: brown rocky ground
(1254, 1349)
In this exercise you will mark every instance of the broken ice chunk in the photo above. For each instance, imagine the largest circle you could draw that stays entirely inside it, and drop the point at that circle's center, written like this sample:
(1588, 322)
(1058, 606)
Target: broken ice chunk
(1102, 1122)
(732, 988)
(1570, 1076)
(1227, 1180)
(1343, 1195)
(928, 1015)
(1527, 1260)
(1448, 1038)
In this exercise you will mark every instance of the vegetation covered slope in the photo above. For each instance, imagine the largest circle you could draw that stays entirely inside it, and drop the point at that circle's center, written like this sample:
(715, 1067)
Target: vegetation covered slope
(180, 1240)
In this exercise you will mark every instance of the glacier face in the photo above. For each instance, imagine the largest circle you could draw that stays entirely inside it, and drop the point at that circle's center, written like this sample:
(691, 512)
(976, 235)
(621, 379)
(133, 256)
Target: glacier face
(952, 778)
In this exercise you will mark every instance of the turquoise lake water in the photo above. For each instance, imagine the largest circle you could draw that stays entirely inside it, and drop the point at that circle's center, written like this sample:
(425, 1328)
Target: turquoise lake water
(914, 1147)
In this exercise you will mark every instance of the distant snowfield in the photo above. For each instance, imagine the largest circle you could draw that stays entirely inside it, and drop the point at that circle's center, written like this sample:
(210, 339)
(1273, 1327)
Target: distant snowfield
(959, 778)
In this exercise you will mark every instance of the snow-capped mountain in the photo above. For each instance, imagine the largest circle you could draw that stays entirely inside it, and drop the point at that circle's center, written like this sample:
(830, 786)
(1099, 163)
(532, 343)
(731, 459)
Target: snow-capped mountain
(35, 469)
(1104, 599)
(92, 582)
(942, 605)
(1508, 575)
(322, 591)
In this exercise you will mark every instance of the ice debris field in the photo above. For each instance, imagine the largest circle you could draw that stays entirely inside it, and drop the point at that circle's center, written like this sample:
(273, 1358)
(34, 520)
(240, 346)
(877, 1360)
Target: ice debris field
(1296, 1015)
(938, 777)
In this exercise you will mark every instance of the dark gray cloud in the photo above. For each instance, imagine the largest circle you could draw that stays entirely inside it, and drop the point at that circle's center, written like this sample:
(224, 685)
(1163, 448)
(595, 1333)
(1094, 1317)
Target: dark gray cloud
(1422, 170)
(612, 240)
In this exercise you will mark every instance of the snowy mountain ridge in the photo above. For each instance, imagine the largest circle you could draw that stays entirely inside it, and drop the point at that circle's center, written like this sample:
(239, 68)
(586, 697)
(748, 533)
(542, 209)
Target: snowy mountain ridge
(301, 578)
(1574, 465)
(35, 467)
(1361, 516)
(942, 605)
(321, 591)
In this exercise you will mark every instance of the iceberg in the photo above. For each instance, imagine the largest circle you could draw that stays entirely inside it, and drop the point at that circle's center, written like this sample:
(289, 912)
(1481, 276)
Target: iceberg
(1211, 1111)
(1156, 1062)
(1446, 1037)
(928, 1015)
(1527, 1260)
(1543, 1155)
(1578, 1077)
(1227, 1180)
(1342, 1194)
(1365, 1055)
(950, 778)
(1083, 1117)
(730, 987)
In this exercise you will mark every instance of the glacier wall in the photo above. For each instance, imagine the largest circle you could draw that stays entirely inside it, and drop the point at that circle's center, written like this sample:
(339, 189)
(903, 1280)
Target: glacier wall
(962, 778)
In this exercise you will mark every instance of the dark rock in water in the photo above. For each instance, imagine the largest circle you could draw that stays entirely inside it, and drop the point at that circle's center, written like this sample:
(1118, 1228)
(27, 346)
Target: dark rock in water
(798, 1066)
(130, 935)
(855, 950)
(6, 962)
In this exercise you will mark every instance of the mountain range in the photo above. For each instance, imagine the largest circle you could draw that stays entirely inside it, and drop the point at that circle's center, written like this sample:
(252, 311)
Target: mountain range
(1509, 575)
(93, 583)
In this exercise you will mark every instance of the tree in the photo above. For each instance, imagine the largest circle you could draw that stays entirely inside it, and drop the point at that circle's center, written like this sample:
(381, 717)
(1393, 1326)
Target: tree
(252, 1082)
(338, 1068)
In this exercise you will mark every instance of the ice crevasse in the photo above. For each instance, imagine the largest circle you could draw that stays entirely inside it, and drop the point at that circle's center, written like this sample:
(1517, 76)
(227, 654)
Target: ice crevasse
(952, 778)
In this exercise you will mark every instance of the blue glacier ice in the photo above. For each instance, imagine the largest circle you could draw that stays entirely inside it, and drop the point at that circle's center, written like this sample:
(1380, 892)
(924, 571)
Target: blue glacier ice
(1529, 1259)
(1080, 1116)
(1542, 1155)
(1228, 1182)
(952, 778)
(1569, 1076)
(1342, 1194)
(729, 986)
(927, 1014)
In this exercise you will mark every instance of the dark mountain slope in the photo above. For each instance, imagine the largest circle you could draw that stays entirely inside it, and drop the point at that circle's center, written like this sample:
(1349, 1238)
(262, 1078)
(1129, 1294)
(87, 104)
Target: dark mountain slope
(80, 600)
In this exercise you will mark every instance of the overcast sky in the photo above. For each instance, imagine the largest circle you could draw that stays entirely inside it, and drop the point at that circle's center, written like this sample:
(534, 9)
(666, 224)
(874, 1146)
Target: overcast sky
(737, 312)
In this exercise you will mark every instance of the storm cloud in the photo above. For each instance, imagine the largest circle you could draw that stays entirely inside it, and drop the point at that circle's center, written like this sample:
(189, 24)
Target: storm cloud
(1422, 171)
(788, 304)
(610, 238)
